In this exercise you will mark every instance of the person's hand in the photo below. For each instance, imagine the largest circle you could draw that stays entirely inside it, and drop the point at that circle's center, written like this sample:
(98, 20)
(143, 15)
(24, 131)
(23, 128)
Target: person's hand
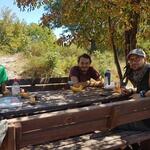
(95, 83)
(87, 83)
(84, 84)
(126, 91)
(6, 92)
(136, 96)
(147, 94)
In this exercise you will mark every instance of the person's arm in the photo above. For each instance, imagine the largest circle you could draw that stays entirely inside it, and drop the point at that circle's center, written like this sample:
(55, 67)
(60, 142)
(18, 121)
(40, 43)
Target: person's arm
(147, 94)
(74, 78)
(76, 82)
(5, 91)
(126, 91)
(96, 79)
(3, 87)
(97, 83)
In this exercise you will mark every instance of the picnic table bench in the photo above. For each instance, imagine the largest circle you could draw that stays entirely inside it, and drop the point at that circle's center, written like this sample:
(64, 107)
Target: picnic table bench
(72, 124)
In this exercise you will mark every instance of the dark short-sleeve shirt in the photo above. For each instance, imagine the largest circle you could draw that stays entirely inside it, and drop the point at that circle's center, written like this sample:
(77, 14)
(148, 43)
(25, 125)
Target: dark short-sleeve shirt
(91, 73)
(143, 84)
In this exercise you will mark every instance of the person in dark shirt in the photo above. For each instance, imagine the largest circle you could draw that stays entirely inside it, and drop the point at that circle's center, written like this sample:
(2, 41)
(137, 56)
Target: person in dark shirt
(138, 72)
(83, 72)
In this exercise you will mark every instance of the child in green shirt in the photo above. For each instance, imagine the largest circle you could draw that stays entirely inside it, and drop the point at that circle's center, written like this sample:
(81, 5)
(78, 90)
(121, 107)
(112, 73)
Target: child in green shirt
(3, 80)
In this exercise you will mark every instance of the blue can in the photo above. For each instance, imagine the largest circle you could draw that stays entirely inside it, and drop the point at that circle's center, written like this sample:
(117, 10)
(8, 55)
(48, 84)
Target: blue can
(107, 77)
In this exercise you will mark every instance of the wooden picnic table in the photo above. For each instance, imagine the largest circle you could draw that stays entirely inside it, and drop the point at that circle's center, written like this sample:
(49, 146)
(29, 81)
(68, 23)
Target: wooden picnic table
(65, 124)
(60, 114)
(56, 100)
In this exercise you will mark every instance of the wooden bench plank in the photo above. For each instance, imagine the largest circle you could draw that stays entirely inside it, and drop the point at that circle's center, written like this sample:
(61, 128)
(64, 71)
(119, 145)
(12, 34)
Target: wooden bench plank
(45, 87)
(65, 117)
(80, 121)
(31, 81)
(102, 141)
(136, 106)
(62, 132)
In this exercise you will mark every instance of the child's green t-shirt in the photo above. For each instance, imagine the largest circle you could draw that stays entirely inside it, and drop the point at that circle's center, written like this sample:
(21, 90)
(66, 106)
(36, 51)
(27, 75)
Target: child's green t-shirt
(3, 74)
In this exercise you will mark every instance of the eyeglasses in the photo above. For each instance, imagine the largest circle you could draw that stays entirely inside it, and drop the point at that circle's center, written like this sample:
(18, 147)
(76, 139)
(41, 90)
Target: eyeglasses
(134, 59)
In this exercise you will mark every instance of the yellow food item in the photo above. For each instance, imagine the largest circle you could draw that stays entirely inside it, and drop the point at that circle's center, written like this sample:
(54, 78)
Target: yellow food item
(116, 94)
(77, 89)
(24, 94)
(117, 88)
(92, 80)
(32, 100)
(96, 83)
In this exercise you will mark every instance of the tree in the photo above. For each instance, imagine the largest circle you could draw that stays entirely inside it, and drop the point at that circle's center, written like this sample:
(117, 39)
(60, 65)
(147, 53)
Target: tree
(98, 20)
(16, 36)
(6, 20)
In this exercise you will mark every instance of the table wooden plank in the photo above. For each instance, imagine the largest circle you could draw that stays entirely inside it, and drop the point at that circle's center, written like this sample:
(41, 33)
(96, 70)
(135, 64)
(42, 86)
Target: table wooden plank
(61, 100)
(93, 141)
(33, 81)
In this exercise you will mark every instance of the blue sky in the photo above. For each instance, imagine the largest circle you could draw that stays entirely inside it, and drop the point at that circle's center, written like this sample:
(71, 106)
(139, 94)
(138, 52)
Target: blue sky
(28, 17)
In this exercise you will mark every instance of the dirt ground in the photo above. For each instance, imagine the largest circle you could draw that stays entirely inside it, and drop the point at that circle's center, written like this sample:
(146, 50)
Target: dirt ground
(14, 64)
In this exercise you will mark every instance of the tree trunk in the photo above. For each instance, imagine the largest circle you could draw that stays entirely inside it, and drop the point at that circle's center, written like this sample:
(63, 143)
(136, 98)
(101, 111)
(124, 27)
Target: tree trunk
(93, 46)
(130, 34)
(111, 30)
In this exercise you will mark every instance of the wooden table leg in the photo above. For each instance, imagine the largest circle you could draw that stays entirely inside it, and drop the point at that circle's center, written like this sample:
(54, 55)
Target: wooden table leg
(9, 141)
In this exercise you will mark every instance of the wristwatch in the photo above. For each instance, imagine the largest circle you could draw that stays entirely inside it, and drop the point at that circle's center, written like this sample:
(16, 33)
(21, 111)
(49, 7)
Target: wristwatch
(142, 93)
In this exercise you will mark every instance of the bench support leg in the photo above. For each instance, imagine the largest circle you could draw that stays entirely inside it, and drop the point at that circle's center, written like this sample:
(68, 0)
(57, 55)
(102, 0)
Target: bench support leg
(145, 145)
(9, 141)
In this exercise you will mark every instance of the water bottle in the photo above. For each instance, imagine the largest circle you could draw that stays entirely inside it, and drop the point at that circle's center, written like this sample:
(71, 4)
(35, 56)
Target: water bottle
(107, 78)
(15, 88)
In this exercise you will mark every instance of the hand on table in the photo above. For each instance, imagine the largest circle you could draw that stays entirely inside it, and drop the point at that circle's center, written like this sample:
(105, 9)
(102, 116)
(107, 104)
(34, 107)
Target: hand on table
(6, 92)
(126, 91)
(95, 83)
(147, 94)
(136, 96)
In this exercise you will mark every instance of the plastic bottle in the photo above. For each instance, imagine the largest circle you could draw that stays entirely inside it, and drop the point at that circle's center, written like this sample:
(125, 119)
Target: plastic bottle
(15, 88)
(107, 78)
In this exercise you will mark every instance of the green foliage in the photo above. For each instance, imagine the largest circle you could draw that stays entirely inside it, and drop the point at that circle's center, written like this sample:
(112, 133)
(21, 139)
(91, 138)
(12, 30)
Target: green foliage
(53, 62)
(103, 61)
(68, 58)
(59, 62)
(48, 59)
(42, 66)
(45, 57)
(16, 36)
(143, 40)
(89, 20)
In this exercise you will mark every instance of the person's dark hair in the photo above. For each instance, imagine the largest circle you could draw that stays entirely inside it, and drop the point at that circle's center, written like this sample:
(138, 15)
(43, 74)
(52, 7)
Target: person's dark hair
(84, 56)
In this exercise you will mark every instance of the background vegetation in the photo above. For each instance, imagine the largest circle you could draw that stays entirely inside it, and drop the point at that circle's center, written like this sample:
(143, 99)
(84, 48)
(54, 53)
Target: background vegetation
(48, 57)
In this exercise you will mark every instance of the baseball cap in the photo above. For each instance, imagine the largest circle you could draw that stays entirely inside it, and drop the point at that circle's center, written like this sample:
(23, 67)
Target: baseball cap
(138, 52)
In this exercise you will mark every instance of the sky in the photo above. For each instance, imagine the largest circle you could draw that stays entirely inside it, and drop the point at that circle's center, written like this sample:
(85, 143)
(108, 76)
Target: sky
(29, 17)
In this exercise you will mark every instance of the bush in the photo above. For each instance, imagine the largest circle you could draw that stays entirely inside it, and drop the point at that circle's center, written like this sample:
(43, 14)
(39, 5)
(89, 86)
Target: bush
(103, 61)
